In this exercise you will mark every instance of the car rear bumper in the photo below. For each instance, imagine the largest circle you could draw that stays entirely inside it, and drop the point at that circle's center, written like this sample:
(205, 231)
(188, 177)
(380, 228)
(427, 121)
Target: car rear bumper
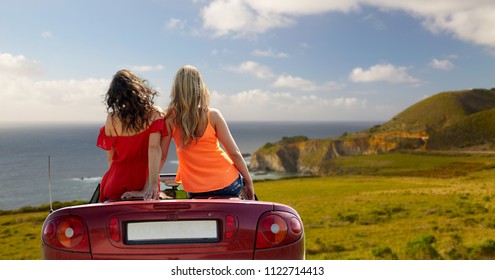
(293, 251)
(49, 253)
(226, 256)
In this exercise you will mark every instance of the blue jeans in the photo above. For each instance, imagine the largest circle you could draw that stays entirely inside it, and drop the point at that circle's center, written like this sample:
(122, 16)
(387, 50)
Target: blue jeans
(233, 189)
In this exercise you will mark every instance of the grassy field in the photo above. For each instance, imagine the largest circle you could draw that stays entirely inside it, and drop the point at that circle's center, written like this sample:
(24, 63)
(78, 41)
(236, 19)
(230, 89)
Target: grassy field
(393, 206)
(20, 231)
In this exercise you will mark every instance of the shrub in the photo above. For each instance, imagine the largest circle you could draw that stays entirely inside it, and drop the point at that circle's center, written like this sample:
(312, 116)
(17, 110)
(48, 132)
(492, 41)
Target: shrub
(268, 145)
(323, 247)
(490, 223)
(485, 251)
(384, 252)
(457, 250)
(421, 248)
(44, 207)
(351, 218)
(293, 139)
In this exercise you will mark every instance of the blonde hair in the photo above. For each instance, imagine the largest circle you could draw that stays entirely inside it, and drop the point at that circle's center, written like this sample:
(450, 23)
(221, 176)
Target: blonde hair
(189, 101)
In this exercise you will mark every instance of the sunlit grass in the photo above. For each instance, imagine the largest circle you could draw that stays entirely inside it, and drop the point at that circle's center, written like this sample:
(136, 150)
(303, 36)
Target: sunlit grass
(20, 236)
(387, 216)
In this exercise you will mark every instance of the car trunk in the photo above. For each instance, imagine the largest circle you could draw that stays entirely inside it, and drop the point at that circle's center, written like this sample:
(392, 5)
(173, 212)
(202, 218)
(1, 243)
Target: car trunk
(173, 229)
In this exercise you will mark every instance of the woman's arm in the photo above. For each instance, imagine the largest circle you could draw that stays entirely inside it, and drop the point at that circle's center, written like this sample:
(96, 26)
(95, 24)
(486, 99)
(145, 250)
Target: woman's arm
(154, 160)
(228, 143)
(110, 157)
(109, 132)
(165, 141)
(151, 188)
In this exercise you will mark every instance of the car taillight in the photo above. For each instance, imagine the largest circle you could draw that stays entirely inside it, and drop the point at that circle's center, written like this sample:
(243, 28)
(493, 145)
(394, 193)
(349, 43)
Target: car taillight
(66, 232)
(295, 225)
(230, 226)
(277, 229)
(114, 229)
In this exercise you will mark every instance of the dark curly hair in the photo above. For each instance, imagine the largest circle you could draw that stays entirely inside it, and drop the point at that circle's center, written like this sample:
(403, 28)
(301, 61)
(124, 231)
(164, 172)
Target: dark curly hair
(130, 99)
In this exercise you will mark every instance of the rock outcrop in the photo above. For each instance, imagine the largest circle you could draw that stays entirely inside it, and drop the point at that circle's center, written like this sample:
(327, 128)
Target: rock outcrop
(312, 156)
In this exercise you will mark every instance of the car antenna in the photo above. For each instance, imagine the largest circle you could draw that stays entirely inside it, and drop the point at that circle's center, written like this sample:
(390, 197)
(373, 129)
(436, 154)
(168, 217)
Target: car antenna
(50, 184)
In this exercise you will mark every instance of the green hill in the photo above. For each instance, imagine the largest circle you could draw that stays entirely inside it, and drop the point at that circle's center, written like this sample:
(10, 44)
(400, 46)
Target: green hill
(453, 120)
(475, 132)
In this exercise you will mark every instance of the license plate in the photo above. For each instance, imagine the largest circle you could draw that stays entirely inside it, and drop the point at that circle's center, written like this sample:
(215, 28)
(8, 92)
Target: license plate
(164, 232)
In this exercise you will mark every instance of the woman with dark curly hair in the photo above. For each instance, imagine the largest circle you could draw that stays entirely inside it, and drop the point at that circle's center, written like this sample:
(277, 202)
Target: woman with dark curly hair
(131, 136)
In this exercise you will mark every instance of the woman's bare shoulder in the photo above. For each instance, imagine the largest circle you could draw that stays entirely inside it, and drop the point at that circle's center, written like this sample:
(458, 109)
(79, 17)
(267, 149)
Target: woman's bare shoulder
(109, 125)
(169, 118)
(158, 109)
(109, 119)
(216, 118)
(215, 113)
(157, 113)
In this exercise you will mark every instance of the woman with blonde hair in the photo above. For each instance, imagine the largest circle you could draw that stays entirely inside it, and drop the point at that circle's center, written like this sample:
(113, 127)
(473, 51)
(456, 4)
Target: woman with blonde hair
(131, 136)
(198, 130)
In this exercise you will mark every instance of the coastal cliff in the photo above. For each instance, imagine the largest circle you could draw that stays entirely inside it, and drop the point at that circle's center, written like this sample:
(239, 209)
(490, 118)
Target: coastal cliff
(460, 120)
(314, 156)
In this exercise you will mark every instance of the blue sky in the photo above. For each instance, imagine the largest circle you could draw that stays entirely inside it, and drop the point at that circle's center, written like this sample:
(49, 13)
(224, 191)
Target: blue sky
(318, 60)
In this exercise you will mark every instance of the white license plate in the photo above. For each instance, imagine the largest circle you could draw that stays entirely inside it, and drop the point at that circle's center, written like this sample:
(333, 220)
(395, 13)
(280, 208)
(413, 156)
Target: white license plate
(172, 232)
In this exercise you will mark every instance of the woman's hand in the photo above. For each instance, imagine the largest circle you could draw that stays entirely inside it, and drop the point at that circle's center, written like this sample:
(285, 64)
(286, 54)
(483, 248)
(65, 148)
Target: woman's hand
(150, 192)
(247, 191)
(132, 195)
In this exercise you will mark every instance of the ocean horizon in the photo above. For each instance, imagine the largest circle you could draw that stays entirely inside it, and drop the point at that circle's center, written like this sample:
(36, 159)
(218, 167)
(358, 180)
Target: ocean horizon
(77, 165)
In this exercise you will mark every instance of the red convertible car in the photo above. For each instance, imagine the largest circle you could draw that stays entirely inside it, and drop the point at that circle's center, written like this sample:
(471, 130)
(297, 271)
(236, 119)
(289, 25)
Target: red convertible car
(174, 227)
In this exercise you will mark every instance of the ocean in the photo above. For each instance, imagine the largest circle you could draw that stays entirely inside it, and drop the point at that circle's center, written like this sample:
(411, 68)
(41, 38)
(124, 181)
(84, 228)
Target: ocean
(77, 165)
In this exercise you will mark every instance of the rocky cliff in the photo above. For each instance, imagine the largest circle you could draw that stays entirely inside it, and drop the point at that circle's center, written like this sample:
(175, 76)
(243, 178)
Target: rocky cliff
(312, 156)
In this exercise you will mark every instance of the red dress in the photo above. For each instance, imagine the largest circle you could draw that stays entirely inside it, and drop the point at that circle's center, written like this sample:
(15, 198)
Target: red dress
(129, 168)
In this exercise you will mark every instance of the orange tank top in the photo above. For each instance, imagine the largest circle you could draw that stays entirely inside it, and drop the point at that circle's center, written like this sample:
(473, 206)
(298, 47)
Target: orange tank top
(203, 165)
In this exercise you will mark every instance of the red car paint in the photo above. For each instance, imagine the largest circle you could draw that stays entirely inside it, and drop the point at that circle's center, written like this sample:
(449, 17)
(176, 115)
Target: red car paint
(233, 229)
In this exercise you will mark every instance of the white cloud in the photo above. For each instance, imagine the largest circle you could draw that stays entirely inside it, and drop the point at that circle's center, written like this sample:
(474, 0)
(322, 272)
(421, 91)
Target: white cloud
(441, 64)
(269, 53)
(146, 68)
(302, 7)
(247, 17)
(46, 34)
(14, 66)
(288, 81)
(282, 81)
(223, 51)
(75, 92)
(375, 22)
(54, 100)
(262, 105)
(253, 68)
(175, 23)
(382, 72)
(23, 90)
(471, 21)
(236, 17)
